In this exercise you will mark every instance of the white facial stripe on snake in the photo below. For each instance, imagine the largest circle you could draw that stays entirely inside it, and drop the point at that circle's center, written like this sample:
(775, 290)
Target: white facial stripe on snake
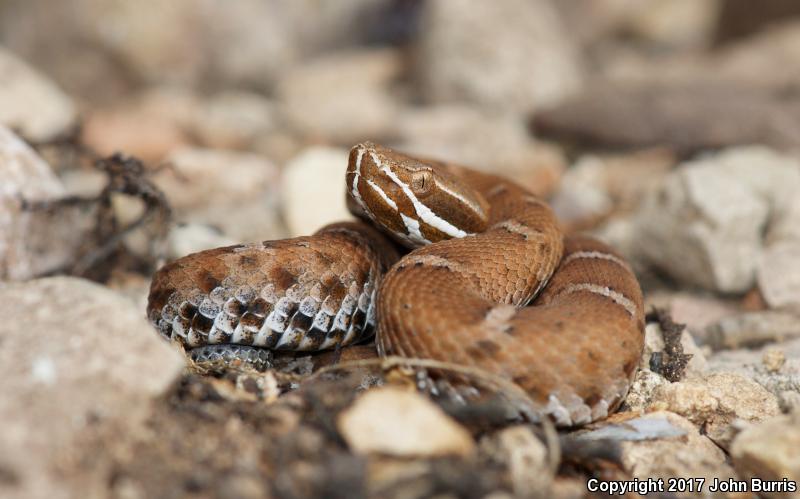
(377, 189)
(425, 213)
(356, 175)
(460, 197)
(412, 226)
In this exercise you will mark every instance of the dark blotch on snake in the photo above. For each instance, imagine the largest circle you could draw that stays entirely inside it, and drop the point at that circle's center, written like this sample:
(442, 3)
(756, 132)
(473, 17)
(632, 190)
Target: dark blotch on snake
(282, 278)
(202, 323)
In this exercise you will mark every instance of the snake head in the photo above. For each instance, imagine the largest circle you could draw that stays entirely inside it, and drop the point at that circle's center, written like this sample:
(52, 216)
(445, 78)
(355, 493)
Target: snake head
(416, 201)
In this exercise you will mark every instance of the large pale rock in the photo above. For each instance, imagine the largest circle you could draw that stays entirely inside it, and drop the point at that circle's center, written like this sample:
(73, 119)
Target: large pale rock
(689, 455)
(667, 24)
(314, 190)
(75, 355)
(401, 423)
(716, 402)
(770, 451)
(199, 43)
(342, 97)
(507, 54)
(778, 273)
(597, 184)
(30, 103)
(755, 364)
(696, 310)
(687, 116)
(235, 192)
(34, 241)
(714, 217)
(161, 120)
(518, 449)
(752, 329)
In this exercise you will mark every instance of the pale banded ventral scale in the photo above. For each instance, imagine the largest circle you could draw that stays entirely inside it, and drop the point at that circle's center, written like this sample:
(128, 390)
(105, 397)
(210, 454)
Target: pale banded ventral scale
(490, 283)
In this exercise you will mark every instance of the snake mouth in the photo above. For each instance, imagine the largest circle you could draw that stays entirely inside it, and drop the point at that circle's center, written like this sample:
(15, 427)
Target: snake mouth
(229, 357)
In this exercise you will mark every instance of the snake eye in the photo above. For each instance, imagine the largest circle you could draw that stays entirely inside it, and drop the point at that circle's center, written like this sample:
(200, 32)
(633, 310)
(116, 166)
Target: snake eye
(421, 182)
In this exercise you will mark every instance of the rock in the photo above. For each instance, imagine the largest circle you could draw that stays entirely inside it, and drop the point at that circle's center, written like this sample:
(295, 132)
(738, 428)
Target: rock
(80, 355)
(237, 193)
(696, 310)
(402, 423)
(343, 97)
(716, 402)
(630, 430)
(139, 128)
(765, 62)
(752, 329)
(511, 54)
(495, 143)
(737, 20)
(517, 449)
(158, 121)
(675, 24)
(230, 120)
(690, 455)
(789, 401)
(773, 50)
(31, 104)
(706, 226)
(598, 184)
(206, 44)
(779, 274)
(773, 359)
(770, 451)
(666, 25)
(750, 364)
(35, 239)
(685, 116)
(314, 191)
(192, 237)
(646, 387)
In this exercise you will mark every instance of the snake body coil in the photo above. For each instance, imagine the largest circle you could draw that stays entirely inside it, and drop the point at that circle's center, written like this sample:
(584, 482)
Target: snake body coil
(493, 284)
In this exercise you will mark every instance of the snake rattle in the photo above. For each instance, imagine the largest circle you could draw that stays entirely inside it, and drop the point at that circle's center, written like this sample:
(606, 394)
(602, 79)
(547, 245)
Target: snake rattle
(492, 283)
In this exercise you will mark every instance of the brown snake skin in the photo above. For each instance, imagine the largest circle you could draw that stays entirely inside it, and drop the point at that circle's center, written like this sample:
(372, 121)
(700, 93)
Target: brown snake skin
(500, 289)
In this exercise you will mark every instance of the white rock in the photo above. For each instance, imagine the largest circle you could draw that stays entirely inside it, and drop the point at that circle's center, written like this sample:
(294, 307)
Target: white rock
(644, 389)
(696, 310)
(343, 97)
(30, 103)
(706, 227)
(750, 364)
(597, 184)
(402, 423)
(506, 54)
(525, 457)
(235, 192)
(33, 242)
(191, 238)
(689, 455)
(718, 401)
(75, 355)
(779, 274)
(751, 329)
(770, 451)
(314, 190)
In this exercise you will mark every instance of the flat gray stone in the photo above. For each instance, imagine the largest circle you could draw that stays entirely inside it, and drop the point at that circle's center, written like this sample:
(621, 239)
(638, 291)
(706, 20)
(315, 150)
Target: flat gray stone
(75, 355)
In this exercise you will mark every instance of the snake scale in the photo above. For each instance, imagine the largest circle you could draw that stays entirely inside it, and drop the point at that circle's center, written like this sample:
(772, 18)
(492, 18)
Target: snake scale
(492, 283)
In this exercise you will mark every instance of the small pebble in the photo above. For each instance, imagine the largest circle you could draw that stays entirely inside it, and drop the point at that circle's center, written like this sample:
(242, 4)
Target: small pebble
(773, 359)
